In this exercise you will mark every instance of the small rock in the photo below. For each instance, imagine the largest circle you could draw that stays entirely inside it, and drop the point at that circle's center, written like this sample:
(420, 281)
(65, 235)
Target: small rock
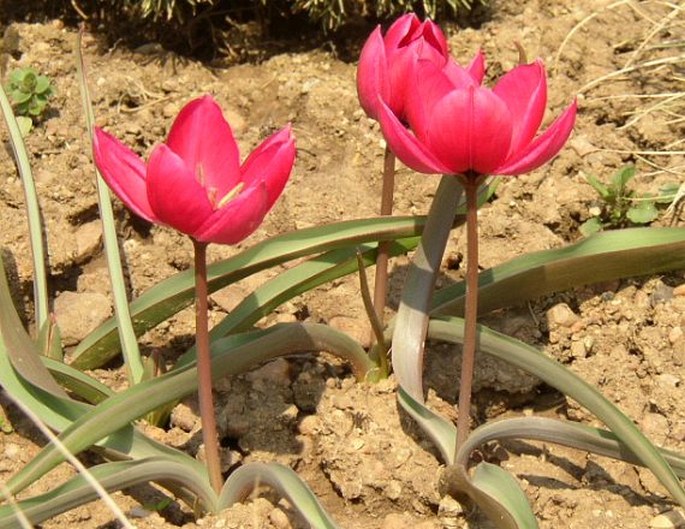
(578, 350)
(661, 293)
(561, 315)
(668, 380)
(80, 313)
(656, 427)
(184, 418)
(279, 519)
(88, 241)
(675, 334)
(277, 372)
(667, 520)
(170, 110)
(679, 290)
(450, 513)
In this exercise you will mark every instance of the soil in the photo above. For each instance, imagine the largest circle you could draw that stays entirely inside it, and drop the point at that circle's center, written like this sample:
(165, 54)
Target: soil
(366, 461)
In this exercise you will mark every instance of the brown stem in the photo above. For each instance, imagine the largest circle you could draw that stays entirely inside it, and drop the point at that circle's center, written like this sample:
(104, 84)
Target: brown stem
(471, 182)
(204, 369)
(380, 287)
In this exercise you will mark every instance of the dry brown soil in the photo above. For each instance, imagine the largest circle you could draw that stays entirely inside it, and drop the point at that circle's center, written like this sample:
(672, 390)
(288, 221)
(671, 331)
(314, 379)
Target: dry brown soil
(365, 460)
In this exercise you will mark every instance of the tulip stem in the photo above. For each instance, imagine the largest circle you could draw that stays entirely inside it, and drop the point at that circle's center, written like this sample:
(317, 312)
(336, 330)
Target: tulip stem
(380, 287)
(471, 183)
(204, 369)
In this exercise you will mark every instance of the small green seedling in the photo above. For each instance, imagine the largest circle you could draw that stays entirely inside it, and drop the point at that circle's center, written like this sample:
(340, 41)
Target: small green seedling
(29, 92)
(622, 206)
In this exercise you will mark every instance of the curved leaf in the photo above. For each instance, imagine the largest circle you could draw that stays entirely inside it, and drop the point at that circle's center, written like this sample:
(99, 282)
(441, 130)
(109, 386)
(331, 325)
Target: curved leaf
(112, 477)
(175, 293)
(601, 257)
(121, 409)
(288, 484)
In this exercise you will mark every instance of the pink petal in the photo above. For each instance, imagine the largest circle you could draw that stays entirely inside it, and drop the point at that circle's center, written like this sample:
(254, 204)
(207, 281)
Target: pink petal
(428, 86)
(124, 172)
(202, 137)
(175, 195)
(270, 164)
(402, 31)
(434, 37)
(470, 130)
(477, 67)
(544, 147)
(372, 76)
(459, 76)
(405, 146)
(524, 90)
(237, 219)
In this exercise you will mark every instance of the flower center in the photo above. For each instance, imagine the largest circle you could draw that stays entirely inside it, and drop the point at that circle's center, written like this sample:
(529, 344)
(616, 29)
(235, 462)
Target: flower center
(212, 191)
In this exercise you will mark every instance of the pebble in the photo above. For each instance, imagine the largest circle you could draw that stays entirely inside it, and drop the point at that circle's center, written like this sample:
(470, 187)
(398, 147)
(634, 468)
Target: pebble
(88, 241)
(667, 520)
(279, 519)
(679, 290)
(183, 417)
(276, 372)
(78, 313)
(562, 315)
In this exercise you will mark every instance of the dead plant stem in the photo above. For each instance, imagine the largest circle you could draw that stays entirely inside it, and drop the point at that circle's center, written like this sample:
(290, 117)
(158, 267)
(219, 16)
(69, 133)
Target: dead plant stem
(204, 369)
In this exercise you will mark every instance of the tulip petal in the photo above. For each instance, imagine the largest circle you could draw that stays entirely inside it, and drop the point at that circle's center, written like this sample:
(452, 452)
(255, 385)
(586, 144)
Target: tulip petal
(477, 67)
(470, 130)
(524, 90)
(405, 146)
(434, 37)
(124, 172)
(175, 195)
(237, 219)
(270, 164)
(372, 74)
(544, 147)
(434, 85)
(202, 137)
(402, 31)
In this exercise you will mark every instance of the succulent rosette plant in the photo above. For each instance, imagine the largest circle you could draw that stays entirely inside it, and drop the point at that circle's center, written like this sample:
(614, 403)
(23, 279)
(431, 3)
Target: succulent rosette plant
(195, 182)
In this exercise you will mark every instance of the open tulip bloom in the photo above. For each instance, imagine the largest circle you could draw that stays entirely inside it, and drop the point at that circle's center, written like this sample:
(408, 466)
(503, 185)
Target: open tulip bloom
(195, 182)
(458, 126)
(452, 125)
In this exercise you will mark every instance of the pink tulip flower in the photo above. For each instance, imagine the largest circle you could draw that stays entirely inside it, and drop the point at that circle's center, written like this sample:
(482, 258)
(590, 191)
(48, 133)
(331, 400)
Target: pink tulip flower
(386, 63)
(195, 182)
(458, 126)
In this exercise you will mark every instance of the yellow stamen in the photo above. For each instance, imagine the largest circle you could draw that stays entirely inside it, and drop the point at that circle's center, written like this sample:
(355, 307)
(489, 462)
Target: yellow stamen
(231, 195)
(200, 174)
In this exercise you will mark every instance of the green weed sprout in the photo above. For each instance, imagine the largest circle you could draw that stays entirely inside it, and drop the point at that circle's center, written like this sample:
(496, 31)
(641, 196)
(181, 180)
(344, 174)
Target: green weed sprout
(621, 206)
(29, 92)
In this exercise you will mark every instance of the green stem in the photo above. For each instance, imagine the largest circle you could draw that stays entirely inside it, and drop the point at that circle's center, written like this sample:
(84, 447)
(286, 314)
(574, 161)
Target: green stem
(204, 369)
(471, 183)
(380, 287)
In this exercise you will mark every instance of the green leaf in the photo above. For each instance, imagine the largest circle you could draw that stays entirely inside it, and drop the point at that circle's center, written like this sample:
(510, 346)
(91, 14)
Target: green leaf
(590, 226)
(621, 178)
(412, 315)
(175, 293)
(122, 315)
(605, 256)
(19, 97)
(111, 476)
(125, 407)
(49, 340)
(17, 132)
(284, 480)
(602, 189)
(643, 213)
(42, 85)
(533, 361)
(25, 125)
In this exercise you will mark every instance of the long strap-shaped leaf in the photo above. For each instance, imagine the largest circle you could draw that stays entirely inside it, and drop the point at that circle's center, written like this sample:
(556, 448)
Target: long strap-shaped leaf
(40, 288)
(565, 433)
(175, 293)
(533, 361)
(248, 477)
(411, 321)
(601, 257)
(127, 337)
(120, 410)
(112, 477)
